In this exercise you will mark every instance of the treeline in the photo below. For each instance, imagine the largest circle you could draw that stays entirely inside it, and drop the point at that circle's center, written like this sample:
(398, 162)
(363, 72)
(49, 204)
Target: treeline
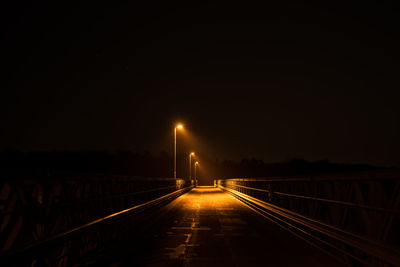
(49, 163)
(54, 163)
(248, 168)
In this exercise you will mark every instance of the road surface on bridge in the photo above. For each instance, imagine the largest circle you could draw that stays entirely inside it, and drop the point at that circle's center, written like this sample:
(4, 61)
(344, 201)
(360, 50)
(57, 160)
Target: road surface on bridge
(209, 227)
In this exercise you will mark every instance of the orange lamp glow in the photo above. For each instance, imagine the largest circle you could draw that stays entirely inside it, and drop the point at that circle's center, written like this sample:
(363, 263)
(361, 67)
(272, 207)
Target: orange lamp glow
(179, 126)
(192, 153)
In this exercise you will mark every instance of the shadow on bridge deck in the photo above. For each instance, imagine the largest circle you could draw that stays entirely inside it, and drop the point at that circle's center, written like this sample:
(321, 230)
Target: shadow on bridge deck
(208, 227)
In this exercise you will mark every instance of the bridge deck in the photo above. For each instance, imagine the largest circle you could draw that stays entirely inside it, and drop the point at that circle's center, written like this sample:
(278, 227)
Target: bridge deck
(208, 227)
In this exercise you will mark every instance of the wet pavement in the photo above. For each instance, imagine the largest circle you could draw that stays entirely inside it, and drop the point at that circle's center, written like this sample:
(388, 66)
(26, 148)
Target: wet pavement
(208, 227)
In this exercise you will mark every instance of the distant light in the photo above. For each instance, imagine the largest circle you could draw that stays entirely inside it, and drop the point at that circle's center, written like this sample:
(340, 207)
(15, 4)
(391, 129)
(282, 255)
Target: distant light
(197, 162)
(192, 153)
(179, 126)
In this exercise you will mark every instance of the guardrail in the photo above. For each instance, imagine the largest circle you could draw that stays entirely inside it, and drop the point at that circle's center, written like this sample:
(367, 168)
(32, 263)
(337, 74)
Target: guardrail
(354, 217)
(62, 218)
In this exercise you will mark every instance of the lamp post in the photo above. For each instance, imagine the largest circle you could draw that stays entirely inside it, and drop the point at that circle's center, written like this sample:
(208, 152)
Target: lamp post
(195, 168)
(190, 165)
(179, 126)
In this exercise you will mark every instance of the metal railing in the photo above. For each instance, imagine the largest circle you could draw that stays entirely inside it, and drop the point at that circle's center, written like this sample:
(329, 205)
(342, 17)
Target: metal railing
(355, 217)
(65, 219)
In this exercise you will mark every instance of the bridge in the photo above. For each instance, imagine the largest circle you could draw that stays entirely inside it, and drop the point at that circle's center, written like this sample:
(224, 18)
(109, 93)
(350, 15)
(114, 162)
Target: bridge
(336, 220)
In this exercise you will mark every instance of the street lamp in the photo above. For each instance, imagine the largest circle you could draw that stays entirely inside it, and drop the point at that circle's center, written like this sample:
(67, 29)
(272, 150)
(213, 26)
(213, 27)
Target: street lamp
(195, 168)
(179, 126)
(190, 166)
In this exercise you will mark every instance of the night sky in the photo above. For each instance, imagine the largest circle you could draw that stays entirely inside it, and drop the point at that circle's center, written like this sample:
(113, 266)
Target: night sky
(279, 81)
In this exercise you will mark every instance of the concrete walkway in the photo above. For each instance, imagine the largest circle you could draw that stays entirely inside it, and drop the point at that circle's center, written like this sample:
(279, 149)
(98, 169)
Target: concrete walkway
(208, 227)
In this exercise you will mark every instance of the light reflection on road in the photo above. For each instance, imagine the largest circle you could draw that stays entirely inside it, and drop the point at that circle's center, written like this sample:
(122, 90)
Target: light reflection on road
(208, 227)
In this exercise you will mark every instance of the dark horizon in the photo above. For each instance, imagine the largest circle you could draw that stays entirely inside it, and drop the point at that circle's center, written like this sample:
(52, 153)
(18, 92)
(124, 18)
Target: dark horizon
(58, 165)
